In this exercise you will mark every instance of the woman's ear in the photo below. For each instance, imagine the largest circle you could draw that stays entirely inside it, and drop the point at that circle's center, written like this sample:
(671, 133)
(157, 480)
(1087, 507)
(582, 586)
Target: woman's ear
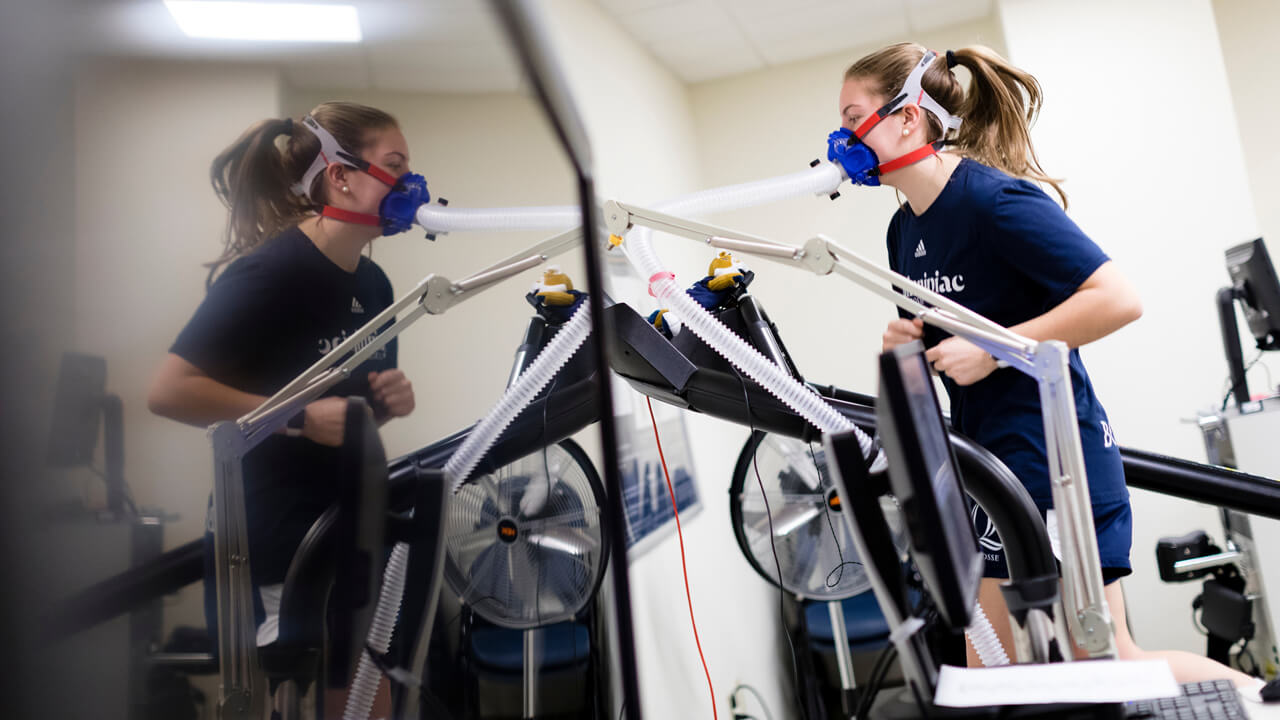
(335, 178)
(911, 118)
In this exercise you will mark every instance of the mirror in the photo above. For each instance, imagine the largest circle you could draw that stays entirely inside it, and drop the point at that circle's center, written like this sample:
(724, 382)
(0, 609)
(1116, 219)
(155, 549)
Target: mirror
(115, 219)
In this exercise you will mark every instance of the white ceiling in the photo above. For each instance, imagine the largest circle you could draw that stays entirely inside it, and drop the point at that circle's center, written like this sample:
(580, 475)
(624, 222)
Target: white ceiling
(456, 45)
(408, 45)
(704, 39)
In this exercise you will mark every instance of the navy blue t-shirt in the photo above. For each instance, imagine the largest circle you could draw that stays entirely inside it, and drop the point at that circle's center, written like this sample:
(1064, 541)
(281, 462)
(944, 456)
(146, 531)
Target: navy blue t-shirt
(1003, 248)
(268, 317)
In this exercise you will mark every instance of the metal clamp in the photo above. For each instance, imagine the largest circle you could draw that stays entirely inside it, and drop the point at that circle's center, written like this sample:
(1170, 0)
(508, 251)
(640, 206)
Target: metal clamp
(1045, 361)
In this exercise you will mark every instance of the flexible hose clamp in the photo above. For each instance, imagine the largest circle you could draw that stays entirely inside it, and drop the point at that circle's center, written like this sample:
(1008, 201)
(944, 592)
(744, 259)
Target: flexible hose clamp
(664, 275)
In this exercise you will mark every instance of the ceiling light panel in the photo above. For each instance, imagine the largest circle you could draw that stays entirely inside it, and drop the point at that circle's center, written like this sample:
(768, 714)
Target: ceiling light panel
(269, 22)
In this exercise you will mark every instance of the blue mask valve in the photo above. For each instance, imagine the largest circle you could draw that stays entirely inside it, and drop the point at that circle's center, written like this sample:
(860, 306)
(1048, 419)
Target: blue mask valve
(859, 161)
(400, 207)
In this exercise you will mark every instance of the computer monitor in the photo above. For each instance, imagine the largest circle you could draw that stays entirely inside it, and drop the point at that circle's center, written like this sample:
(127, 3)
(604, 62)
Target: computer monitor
(81, 406)
(924, 478)
(1256, 286)
(77, 410)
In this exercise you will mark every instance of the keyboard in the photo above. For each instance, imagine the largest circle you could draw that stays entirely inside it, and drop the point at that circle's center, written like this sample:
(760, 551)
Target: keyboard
(1211, 700)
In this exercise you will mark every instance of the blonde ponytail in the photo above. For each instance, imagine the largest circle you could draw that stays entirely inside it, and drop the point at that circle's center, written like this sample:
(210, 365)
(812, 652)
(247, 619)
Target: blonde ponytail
(254, 175)
(1001, 103)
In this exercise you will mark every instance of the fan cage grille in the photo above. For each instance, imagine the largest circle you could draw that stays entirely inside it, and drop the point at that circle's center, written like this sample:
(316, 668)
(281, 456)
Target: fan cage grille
(524, 545)
(814, 545)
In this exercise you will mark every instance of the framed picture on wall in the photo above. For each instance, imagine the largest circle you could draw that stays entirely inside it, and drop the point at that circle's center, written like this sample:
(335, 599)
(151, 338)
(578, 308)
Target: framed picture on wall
(645, 494)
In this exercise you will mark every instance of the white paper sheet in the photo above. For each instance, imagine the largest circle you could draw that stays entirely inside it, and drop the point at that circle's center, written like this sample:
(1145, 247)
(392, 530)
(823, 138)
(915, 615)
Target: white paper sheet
(1081, 681)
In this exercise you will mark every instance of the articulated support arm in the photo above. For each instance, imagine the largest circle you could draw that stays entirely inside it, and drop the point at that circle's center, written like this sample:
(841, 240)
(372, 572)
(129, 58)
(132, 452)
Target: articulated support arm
(1045, 361)
(243, 692)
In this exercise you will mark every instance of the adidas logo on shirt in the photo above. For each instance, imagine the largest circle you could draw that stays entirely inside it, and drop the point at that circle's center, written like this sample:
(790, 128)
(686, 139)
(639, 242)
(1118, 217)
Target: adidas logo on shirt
(356, 307)
(920, 252)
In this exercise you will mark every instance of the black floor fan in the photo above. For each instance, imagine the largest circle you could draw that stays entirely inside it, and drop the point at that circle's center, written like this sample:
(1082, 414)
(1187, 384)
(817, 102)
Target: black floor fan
(526, 548)
(803, 522)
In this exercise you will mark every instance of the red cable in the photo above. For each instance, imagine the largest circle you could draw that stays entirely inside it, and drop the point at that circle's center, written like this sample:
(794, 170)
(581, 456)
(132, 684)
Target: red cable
(680, 534)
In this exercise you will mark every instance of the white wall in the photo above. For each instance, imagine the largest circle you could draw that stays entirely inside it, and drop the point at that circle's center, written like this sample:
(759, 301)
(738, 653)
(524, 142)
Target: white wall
(1125, 160)
(1167, 234)
(640, 122)
(146, 220)
(635, 111)
(1247, 29)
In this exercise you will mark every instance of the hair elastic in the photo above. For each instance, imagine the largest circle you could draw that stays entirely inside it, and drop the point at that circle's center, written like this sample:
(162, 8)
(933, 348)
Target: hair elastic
(951, 59)
(288, 126)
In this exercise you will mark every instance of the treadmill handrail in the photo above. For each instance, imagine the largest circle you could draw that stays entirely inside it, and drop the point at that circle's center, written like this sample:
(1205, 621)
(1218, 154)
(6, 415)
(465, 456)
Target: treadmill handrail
(1177, 477)
(167, 573)
(1212, 484)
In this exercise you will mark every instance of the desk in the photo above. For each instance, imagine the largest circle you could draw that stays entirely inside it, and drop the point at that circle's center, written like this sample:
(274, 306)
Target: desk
(104, 664)
(1269, 711)
(1244, 438)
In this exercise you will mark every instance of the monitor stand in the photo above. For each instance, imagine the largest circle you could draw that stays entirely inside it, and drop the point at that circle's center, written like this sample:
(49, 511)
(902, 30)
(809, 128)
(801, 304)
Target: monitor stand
(874, 544)
(883, 566)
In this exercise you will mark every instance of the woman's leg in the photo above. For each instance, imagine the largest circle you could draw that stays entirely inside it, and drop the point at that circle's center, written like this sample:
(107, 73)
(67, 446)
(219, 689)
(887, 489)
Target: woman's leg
(335, 702)
(1187, 667)
(992, 602)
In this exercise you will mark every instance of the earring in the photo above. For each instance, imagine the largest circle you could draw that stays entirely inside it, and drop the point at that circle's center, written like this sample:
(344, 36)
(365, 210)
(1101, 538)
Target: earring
(905, 132)
(346, 189)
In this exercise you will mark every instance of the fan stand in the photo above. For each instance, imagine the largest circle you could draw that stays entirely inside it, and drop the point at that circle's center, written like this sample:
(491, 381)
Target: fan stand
(847, 683)
(529, 688)
(844, 657)
(585, 493)
(532, 639)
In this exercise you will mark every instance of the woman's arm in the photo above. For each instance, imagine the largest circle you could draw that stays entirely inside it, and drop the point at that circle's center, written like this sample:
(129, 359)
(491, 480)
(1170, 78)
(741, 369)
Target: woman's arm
(1104, 303)
(183, 392)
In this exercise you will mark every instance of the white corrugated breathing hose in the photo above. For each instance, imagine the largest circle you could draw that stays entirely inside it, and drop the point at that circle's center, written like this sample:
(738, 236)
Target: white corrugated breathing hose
(819, 180)
(364, 685)
(518, 396)
(984, 639)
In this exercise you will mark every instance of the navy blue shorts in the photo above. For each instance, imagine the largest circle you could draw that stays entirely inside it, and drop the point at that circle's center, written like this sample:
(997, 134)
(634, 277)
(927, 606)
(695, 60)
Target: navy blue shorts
(1112, 521)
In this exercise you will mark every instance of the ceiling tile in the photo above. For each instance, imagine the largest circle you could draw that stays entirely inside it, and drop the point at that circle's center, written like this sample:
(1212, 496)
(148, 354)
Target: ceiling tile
(688, 19)
(457, 44)
(622, 7)
(710, 56)
(752, 10)
(685, 34)
(925, 15)
(821, 29)
(427, 21)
